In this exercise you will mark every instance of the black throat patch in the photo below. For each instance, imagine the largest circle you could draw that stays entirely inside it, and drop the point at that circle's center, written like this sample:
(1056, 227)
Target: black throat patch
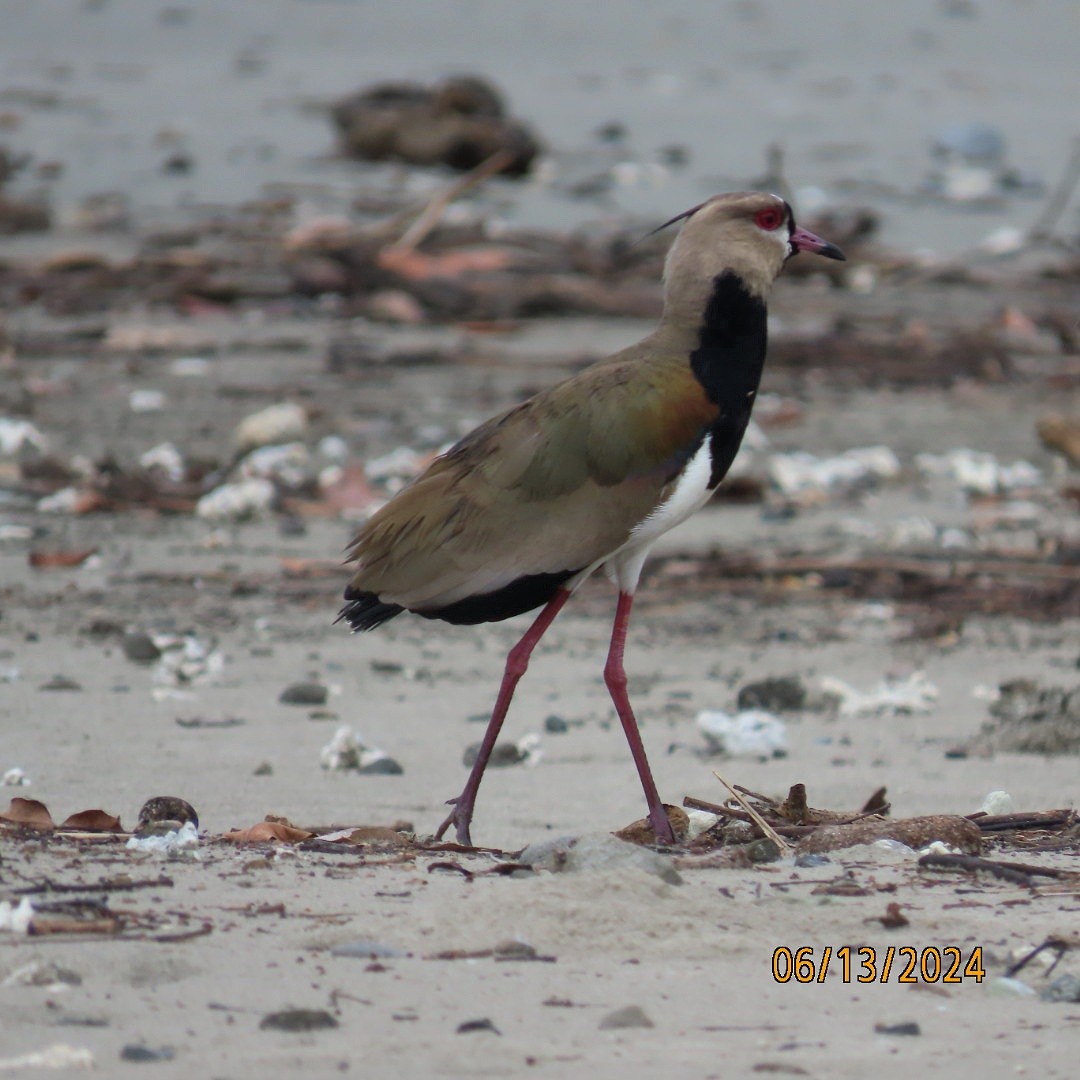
(728, 363)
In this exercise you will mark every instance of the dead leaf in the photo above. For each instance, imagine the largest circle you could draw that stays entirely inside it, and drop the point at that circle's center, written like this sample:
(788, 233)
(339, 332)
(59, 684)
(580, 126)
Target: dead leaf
(417, 266)
(351, 491)
(29, 813)
(93, 821)
(641, 831)
(55, 560)
(266, 831)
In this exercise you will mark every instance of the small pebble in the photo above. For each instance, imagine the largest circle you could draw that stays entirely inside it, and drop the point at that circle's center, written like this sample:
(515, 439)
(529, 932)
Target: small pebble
(471, 1026)
(139, 646)
(61, 682)
(304, 693)
(1006, 987)
(365, 949)
(1063, 988)
(504, 754)
(381, 766)
(630, 1016)
(139, 1053)
(556, 725)
(264, 768)
(907, 1028)
(785, 694)
(297, 1020)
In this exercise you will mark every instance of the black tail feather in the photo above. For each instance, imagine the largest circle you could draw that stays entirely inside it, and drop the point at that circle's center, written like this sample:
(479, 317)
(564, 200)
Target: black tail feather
(365, 611)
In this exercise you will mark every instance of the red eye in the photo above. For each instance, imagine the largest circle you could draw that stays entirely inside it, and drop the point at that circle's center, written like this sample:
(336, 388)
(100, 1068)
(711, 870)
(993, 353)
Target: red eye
(768, 219)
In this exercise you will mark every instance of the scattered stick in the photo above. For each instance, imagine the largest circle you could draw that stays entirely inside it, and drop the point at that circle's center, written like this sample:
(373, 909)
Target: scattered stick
(755, 817)
(184, 935)
(1059, 198)
(1060, 946)
(47, 886)
(1029, 819)
(432, 214)
(1020, 873)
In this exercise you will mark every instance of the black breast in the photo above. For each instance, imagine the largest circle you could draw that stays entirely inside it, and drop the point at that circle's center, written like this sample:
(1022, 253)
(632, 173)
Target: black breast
(728, 363)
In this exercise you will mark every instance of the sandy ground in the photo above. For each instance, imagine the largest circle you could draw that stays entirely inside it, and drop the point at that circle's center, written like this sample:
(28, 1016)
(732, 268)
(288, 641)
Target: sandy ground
(849, 94)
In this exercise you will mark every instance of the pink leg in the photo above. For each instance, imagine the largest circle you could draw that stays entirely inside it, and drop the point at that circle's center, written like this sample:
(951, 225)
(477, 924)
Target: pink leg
(517, 661)
(615, 677)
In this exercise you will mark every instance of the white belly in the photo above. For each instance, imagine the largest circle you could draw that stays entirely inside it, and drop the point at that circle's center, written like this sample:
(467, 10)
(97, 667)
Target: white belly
(691, 493)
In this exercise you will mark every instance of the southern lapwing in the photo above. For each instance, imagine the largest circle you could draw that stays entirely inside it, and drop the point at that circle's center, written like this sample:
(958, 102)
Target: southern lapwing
(591, 472)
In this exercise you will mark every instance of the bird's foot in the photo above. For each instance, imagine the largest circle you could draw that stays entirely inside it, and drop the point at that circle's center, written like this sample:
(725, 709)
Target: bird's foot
(461, 818)
(661, 826)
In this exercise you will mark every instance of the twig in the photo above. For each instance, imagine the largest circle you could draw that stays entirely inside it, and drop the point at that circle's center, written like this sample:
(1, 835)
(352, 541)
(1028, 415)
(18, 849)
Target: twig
(101, 886)
(184, 935)
(759, 821)
(1057, 944)
(1030, 819)
(1058, 198)
(432, 214)
(1008, 871)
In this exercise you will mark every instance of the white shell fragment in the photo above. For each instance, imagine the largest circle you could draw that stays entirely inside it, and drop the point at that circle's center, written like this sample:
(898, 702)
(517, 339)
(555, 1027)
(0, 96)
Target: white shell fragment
(279, 423)
(979, 473)
(346, 750)
(752, 733)
(801, 472)
(892, 697)
(237, 502)
(16, 435)
(16, 920)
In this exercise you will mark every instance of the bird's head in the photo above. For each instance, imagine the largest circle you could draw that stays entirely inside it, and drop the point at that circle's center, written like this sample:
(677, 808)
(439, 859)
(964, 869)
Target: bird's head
(750, 233)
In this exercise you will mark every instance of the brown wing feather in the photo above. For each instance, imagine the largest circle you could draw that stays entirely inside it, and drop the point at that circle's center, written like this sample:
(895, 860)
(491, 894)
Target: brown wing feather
(555, 484)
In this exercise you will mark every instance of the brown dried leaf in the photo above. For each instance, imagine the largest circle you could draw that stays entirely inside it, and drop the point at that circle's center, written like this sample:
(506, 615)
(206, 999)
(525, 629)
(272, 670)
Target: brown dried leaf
(53, 560)
(351, 491)
(266, 831)
(417, 266)
(93, 821)
(641, 831)
(29, 813)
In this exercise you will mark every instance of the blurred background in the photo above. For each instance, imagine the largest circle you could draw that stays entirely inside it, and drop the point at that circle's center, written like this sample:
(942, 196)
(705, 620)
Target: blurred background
(949, 116)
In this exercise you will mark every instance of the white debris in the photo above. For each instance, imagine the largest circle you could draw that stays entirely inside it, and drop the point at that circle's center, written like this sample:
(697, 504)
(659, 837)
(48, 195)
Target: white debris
(15, 777)
(166, 459)
(289, 463)
(190, 367)
(998, 802)
(333, 448)
(346, 750)
(64, 501)
(146, 401)
(529, 749)
(752, 733)
(57, 1056)
(182, 843)
(184, 660)
(17, 920)
(800, 472)
(16, 435)
(979, 473)
(699, 821)
(915, 694)
(236, 502)
(400, 464)
(275, 424)
(10, 533)
(1003, 241)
